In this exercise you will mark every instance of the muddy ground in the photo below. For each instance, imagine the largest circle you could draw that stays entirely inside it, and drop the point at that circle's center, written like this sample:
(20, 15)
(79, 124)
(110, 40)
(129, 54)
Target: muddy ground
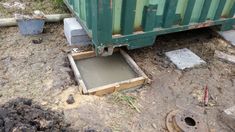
(41, 72)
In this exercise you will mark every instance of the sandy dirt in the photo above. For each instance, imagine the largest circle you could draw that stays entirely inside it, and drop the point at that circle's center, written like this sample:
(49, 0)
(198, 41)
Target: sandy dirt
(28, 6)
(41, 72)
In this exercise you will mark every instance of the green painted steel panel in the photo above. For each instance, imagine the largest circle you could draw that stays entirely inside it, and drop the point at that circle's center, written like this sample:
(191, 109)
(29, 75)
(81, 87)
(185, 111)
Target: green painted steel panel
(213, 8)
(137, 24)
(139, 12)
(228, 6)
(197, 10)
(117, 11)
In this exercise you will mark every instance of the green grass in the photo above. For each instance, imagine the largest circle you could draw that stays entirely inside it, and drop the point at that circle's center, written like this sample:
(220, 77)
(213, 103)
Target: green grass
(59, 2)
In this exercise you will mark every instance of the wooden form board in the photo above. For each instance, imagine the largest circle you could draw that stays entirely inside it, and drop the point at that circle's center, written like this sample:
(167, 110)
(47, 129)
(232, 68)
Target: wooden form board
(109, 88)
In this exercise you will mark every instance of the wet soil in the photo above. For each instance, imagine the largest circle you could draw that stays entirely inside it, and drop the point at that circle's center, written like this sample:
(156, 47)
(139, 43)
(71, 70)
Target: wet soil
(23, 115)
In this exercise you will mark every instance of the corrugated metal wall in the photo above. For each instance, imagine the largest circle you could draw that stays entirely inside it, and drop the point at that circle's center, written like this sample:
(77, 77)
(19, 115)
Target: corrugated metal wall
(186, 12)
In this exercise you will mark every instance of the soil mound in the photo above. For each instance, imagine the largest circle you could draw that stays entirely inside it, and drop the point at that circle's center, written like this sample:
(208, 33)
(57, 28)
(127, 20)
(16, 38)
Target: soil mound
(23, 115)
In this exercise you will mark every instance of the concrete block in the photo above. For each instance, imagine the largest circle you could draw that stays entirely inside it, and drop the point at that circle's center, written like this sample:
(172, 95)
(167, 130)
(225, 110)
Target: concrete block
(184, 58)
(81, 40)
(72, 27)
(228, 117)
(229, 36)
(74, 33)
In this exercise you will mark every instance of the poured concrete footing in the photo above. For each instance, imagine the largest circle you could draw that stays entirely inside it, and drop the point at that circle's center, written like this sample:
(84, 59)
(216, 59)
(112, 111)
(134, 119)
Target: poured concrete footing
(100, 71)
(104, 75)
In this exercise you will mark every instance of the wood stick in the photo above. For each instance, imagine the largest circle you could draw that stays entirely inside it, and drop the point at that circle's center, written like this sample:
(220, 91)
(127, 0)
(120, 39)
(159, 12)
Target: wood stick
(224, 56)
(110, 88)
(134, 66)
(77, 75)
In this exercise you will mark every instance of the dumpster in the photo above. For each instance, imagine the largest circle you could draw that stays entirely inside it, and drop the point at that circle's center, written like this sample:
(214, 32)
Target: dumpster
(137, 23)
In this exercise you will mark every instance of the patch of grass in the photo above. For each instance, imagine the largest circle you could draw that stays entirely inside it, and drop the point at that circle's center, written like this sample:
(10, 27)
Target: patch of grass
(125, 99)
(59, 2)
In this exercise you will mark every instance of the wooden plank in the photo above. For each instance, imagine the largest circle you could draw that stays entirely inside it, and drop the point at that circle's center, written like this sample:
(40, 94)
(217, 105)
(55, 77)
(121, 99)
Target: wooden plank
(77, 75)
(110, 88)
(134, 66)
(224, 56)
(83, 55)
(219, 9)
(188, 12)
(205, 10)
(107, 89)
(128, 16)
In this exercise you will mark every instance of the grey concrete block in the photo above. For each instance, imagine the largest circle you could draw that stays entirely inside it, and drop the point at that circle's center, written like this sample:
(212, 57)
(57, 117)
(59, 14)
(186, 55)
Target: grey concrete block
(184, 58)
(229, 36)
(74, 33)
(80, 39)
(228, 117)
(72, 27)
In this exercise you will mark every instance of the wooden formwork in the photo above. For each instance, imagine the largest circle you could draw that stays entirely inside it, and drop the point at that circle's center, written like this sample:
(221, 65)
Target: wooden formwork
(141, 79)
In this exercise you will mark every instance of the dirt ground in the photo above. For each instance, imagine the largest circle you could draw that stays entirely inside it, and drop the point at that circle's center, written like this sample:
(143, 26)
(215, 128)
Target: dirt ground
(47, 6)
(41, 72)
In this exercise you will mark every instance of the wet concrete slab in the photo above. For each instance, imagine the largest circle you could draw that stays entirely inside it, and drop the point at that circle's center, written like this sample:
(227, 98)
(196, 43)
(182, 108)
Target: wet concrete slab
(184, 58)
(229, 36)
(100, 71)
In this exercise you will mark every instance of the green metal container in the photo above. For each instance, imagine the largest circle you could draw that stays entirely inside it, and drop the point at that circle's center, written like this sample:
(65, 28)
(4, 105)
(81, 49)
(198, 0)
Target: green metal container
(137, 23)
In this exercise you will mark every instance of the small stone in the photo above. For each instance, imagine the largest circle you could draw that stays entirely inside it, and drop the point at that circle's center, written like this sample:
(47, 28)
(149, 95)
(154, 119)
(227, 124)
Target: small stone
(37, 41)
(90, 130)
(57, 102)
(107, 129)
(1, 95)
(1, 123)
(44, 103)
(154, 125)
(70, 99)
(28, 102)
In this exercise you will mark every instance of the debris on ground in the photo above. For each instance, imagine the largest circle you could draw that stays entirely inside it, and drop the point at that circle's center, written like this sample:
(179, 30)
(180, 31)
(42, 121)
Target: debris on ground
(224, 56)
(15, 4)
(184, 58)
(31, 24)
(206, 96)
(25, 115)
(126, 99)
(185, 121)
(228, 117)
(37, 41)
(70, 99)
